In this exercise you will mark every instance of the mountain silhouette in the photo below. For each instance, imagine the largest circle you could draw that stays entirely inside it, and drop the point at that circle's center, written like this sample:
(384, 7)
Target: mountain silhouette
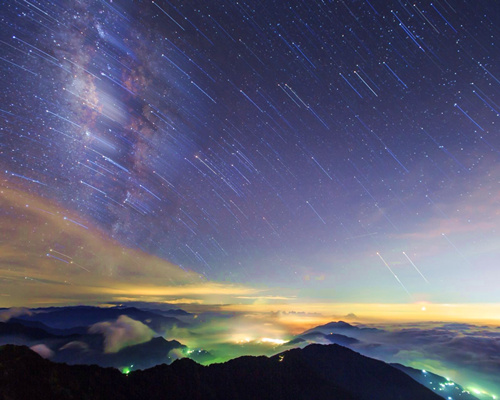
(141, 356)
(78, 316)
(315, 372)
(343, 328)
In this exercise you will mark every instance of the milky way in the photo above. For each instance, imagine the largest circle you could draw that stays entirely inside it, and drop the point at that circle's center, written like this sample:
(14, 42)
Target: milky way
(293, 142)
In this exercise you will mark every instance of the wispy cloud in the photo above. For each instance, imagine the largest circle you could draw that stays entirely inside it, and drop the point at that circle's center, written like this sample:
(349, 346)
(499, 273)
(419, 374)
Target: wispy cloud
(50, 256)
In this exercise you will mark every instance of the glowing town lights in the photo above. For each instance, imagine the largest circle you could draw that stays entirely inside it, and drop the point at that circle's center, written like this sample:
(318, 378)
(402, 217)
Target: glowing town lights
(127, 370)
(480, 391)
(240, 340)
(273, 341)
(245, 339)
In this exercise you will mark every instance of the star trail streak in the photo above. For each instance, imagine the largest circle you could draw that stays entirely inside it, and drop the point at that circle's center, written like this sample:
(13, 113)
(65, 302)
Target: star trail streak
(263, 143)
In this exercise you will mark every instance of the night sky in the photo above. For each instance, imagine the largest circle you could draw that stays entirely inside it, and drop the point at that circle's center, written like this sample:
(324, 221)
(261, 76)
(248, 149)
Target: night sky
(340, 151)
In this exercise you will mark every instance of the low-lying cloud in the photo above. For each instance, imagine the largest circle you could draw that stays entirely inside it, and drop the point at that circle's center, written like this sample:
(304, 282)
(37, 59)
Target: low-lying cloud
(43, 350)
(121, 333)
(13, 312)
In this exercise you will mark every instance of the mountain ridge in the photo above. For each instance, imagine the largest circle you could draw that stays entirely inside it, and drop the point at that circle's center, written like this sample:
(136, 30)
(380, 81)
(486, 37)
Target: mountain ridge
(315, 372)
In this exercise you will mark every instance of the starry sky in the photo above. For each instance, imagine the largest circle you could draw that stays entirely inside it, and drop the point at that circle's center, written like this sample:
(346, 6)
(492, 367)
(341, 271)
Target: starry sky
(277, 151)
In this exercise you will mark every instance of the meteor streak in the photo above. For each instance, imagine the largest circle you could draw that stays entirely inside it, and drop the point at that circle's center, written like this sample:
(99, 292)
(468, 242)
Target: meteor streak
(395, 276)
(411, 262)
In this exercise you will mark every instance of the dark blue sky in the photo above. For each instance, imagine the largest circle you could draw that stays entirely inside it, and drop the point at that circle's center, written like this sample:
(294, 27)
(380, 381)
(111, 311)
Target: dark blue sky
(268, 143)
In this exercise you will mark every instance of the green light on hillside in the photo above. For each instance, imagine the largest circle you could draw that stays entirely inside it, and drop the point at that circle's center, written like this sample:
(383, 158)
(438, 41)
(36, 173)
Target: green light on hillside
(126, 370)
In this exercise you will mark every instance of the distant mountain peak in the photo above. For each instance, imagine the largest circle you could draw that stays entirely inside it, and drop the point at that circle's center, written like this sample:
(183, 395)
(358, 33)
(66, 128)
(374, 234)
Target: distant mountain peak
(342, 327)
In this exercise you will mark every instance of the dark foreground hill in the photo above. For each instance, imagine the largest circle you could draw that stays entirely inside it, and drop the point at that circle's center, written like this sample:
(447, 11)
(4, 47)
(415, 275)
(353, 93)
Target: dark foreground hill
(315, 372)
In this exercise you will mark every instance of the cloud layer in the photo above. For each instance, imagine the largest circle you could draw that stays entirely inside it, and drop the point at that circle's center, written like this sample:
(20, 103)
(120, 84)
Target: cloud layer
(121, 333)
(469, 354)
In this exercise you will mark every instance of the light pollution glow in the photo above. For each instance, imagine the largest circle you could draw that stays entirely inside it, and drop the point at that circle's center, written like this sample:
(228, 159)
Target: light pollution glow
(110, 273)
(295, 165)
